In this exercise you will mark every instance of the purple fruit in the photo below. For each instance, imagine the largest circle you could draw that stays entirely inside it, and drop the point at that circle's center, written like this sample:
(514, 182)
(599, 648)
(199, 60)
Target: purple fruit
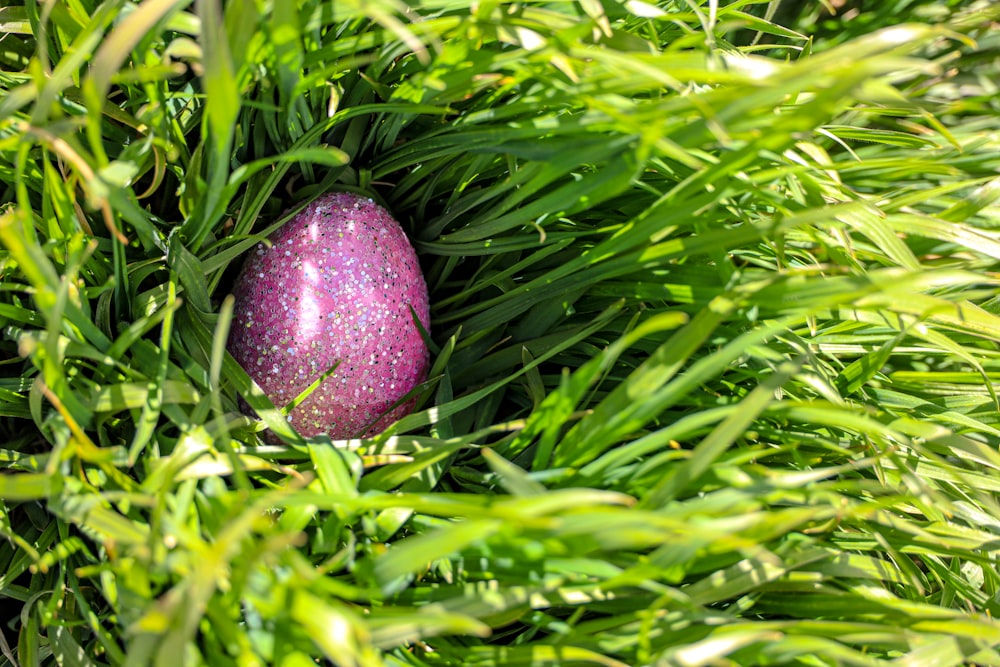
(336, 285)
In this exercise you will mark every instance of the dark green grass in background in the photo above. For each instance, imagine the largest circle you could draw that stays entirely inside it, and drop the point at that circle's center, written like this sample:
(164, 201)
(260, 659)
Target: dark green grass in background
(715, 309)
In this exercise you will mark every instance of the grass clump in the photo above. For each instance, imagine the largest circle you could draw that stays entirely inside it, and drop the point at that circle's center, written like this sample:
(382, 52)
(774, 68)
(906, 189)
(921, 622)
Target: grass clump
(715, 319)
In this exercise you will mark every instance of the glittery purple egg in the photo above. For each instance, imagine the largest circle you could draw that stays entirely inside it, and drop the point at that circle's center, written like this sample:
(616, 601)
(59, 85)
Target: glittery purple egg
(335, 285)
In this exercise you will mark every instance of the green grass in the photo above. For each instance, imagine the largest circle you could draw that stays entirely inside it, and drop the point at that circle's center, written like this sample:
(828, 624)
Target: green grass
(715, 312)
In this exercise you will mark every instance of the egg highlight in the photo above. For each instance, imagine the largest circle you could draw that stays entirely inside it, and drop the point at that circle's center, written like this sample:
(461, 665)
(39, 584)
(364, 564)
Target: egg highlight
(334, 286)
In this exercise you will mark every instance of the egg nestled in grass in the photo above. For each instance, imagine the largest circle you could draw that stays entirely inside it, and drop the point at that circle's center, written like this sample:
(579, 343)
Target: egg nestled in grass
(338, 285)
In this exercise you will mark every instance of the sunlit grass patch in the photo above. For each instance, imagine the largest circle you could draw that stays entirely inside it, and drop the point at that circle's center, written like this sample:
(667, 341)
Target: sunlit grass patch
(714, 319)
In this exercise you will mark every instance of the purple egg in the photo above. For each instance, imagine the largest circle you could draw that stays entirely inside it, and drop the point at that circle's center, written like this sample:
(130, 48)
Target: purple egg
(336, 284)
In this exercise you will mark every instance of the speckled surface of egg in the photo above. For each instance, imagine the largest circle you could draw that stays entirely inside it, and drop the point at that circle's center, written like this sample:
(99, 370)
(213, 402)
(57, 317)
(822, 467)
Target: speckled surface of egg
(336, 284)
